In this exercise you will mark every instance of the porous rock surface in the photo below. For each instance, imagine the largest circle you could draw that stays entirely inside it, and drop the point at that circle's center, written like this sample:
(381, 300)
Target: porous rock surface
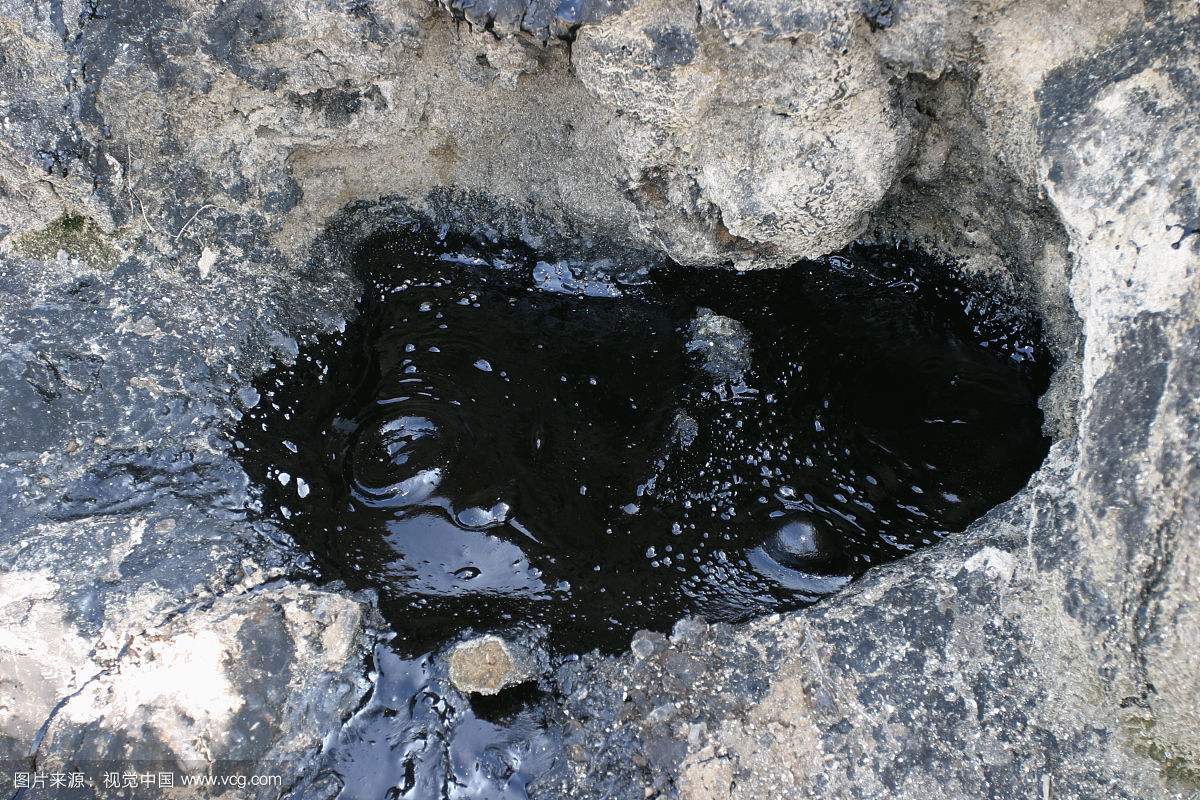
(168, 176)
(487, 664)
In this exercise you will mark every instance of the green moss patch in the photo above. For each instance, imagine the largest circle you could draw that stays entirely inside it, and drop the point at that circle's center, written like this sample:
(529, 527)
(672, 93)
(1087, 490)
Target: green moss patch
(77, 236)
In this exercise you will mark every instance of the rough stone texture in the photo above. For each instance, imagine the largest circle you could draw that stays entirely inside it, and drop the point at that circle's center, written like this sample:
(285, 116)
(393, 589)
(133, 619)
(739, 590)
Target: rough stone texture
(958, 673)
(1046, 651)
(167, 171)
(1120, 154)
(251, 677)
(766, 126)
(487, 664)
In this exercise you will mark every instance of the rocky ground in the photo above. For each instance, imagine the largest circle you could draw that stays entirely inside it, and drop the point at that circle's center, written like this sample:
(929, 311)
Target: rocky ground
(180, 183)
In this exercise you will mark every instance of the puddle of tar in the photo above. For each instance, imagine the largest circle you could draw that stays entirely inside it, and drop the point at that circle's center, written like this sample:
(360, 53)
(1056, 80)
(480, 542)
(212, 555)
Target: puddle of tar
(500, 440)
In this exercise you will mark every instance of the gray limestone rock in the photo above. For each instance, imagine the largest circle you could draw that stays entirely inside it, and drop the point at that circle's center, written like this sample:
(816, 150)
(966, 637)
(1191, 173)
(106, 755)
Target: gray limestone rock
(180, 185)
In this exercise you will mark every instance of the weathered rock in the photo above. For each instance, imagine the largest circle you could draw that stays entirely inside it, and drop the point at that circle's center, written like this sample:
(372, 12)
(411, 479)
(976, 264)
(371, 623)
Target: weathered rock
(487, 664)
(254, 677)
(167, 176)
(1116, 131)
(1041, 651)
(766, 128)
(722, 346)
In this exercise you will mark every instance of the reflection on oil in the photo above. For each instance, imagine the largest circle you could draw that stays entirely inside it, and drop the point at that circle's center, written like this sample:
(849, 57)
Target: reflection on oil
(500, 440)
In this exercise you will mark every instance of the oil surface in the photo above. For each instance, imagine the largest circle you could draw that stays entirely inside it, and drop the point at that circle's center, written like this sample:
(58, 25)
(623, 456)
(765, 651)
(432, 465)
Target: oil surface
(500, 441)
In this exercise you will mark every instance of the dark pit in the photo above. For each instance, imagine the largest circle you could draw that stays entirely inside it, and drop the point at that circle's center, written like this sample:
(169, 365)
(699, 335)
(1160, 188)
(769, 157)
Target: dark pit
(502, 440)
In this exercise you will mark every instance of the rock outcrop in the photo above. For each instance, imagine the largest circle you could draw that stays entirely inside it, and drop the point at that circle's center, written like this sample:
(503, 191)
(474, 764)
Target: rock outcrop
(180, 184)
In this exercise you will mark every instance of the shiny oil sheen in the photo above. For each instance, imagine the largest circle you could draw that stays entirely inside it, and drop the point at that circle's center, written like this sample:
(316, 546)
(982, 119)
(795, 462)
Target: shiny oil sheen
(501, 440)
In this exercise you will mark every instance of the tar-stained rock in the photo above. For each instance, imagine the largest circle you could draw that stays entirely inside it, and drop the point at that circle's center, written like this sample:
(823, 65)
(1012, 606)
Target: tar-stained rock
(722, 346)
(243, 675)
(943, 649)
(125, 514)
(168, 170)
(645, 643)
(641, 711)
